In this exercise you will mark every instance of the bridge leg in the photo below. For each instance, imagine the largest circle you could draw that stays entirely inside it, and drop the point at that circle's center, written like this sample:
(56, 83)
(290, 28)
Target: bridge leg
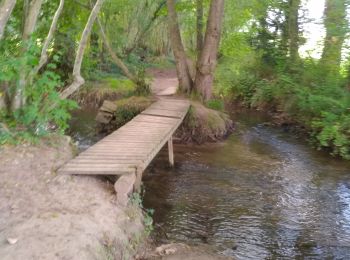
(138, 181)
(171, 151)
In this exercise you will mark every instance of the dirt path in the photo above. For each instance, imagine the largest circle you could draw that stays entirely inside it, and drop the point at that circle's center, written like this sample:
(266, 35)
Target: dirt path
(164, 82)
(45, 216)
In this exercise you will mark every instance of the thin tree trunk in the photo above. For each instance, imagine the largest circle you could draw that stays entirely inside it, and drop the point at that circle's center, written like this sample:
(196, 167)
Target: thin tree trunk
(6, 8)
(293, 30)
(208, 57)
(140, 35)
(31, 19)
(182, 69)
(115, 58)
(78, 80)
(199, 26)
(43, 56)
(336, 28)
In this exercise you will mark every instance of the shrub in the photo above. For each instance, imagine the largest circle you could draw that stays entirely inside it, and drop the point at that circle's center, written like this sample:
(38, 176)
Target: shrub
(43, 111)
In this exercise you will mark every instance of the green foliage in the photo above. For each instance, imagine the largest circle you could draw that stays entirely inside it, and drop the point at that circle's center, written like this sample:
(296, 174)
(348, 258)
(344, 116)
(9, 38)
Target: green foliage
(43, 110)
(216, 104)
(322, 109)
(136, 200)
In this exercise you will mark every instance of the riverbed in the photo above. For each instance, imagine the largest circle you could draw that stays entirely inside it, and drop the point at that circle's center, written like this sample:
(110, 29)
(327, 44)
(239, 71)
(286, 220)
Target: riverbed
(261, 194)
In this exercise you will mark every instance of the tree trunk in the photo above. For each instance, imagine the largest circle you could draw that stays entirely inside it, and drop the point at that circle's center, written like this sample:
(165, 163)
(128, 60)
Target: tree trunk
(115, 58)
(293, 30)
(199, 26)
(336, 28)
(78, 80)
(208, 57)
(6, 8)
(43, 56)
(182, 69)
(18, 99)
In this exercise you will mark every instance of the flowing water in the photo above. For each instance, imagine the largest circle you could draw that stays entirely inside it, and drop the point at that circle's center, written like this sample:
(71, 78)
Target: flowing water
(261, 194)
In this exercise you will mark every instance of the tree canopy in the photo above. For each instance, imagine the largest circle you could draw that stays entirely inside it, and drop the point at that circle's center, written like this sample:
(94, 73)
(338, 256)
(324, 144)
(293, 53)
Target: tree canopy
(237, 49)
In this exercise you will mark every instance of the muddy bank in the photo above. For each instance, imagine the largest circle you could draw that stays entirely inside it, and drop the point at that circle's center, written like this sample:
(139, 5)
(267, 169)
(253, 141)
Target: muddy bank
(46, 216)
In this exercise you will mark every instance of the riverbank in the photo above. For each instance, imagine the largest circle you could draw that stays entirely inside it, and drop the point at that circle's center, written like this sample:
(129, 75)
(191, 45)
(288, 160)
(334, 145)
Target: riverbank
(202, 124)
(47, 216)
(260, 194)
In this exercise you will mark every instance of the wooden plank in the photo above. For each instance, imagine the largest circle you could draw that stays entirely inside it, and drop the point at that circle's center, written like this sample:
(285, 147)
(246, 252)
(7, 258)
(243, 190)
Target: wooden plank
(160, 112)
(135, 144)
(94, 172)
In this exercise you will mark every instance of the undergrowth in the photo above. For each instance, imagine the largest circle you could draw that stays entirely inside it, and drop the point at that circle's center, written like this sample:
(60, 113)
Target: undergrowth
(321, 105)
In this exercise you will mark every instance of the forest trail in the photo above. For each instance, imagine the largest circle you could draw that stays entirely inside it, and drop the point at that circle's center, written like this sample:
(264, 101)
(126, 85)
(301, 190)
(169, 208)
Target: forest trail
(164, 82)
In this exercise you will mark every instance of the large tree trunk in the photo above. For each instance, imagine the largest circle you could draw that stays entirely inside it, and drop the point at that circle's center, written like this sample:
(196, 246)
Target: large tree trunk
(78, 80)
(199, 26)
(208, 57)
(336, 28)
(18, 99)
(182, 69)
(6, 8)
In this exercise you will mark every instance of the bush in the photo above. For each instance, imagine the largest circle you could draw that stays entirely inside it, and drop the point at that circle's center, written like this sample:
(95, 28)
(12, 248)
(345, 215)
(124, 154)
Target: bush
(321, 107)
(43, 111)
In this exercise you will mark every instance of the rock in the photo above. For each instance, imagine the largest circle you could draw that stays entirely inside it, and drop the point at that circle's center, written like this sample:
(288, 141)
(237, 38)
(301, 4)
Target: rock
(168, 249)
(12, 240)
(108, 106)
(123, 187)
(104, 117)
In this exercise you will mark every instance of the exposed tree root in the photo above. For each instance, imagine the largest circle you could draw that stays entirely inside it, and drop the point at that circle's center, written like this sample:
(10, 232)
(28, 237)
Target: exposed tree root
(203, 124)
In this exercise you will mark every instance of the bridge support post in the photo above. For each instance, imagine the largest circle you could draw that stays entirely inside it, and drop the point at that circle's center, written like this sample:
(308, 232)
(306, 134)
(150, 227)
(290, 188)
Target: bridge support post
(171, 151)
(138, 181)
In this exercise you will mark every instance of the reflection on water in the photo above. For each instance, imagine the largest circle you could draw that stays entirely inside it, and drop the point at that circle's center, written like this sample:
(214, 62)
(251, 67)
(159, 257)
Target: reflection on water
(83, 128)
(259, 195)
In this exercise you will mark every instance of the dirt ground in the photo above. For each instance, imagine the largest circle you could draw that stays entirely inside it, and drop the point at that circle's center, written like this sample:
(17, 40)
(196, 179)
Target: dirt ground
(45, 216)
(164, 82)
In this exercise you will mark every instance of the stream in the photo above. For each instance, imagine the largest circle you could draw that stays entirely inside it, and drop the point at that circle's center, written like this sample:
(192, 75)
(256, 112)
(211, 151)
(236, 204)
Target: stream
(261, 194)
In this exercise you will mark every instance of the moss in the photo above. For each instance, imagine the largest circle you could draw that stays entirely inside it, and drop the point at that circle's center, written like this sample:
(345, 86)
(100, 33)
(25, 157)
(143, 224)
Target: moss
(203, 124)
(126, 109)
(92, 94)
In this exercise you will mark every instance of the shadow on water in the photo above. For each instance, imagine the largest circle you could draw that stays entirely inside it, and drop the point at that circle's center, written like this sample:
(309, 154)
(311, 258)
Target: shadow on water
(261, 194)
(82, 128)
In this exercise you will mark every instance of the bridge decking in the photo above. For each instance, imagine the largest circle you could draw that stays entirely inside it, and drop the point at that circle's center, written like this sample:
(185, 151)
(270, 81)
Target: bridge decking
(133, 146)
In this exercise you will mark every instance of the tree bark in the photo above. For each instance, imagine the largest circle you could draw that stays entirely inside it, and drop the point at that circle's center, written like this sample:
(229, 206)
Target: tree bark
(43, 56)
(31, 19)
(6, 8)
(115, 58)
(208, 57)
(78, 80)
(336, 28)
(293, 30)
(199, 26)
(182, 68)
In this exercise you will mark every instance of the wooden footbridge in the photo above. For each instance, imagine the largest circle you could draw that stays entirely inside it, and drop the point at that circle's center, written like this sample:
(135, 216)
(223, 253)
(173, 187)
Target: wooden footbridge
(129, 150)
